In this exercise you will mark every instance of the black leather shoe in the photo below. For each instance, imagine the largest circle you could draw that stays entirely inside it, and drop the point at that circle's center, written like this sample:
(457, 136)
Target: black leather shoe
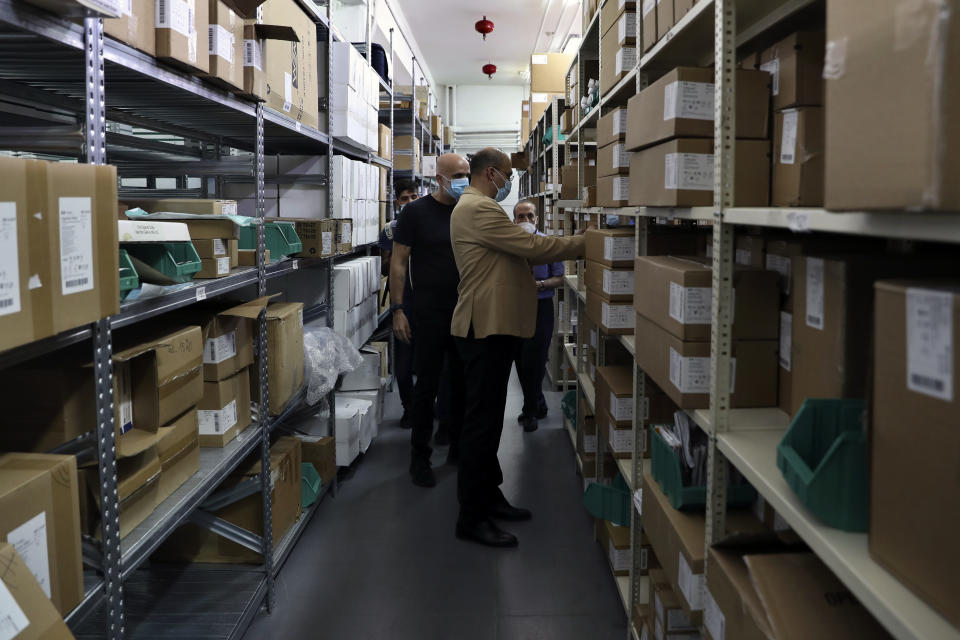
(422, 474)
(486, 533)
(542, 412)
(529, 424)
(506, 511)
(521, 418)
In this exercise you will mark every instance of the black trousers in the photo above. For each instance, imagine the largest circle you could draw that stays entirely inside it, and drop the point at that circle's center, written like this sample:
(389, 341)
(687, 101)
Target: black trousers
(487, 362)
(532, 359)
(403, 367)
(434, 345)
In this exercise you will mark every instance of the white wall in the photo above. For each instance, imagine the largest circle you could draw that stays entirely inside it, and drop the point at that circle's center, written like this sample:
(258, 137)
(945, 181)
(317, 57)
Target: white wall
(488, 105)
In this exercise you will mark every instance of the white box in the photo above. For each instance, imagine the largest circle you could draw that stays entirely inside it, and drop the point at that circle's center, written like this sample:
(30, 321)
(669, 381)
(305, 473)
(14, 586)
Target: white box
(348, 426)
(366, 376)
(373, 396)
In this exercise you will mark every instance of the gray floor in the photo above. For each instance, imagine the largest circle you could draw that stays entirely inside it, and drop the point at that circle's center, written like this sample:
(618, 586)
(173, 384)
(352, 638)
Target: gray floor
(380, 560)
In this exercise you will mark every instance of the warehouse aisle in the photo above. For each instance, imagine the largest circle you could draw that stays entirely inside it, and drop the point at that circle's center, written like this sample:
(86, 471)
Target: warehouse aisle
(379, 560)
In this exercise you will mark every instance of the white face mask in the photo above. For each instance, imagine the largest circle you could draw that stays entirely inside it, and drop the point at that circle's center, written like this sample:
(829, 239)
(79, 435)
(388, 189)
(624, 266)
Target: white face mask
(528, 227)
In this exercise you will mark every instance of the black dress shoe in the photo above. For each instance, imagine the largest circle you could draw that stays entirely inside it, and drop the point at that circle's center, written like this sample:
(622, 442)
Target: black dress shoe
(542, 412)
(529, 424)
(506, 511)
(521, 418)
(422, 474)
(486, 533)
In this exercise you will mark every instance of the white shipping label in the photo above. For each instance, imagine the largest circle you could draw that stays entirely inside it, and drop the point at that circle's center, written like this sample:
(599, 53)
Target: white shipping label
(621, 190)
(539, 97)
(346, 232)
(76, 245)
(648, 6)
(121, 381)
(30, 541)
(713, 618)
(781, 264)
(9, 260)
(617, 316)
(618, 248)
(626, 27)
(590, 444)
(621, 157)
(287, 91)
(744, 257)
(930, 343)
(219, 248)
(690, 305)
(126, 8)
(619, 558)
(690, 374)
(539, 58)
(621, 440)
(620, 121)
(626, 59)
(174, 14)
(773, 68)
(213, 423)
(12, 619)
(621, 408)
(326, 243)
(192, 46)
(691, 584)
(253, 54)
(594, 338)
(786, 340)
(693, 171)
(220, 42)
(617, 282)
(223, 266)
(788, 137)
(228, 208)
(220, 348)
(814, 314)
(690, 100)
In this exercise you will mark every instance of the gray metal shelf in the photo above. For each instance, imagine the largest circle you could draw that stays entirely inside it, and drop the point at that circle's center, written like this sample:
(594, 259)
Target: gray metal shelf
(290, 538)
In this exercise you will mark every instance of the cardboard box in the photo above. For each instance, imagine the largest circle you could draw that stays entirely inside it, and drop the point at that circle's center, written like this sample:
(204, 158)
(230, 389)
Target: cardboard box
(613, 159)
(321, 452)
(436, 126)
(524, 121)
(218, 248)
(384, 139)
(679, 173)
(610, 13)
(665, 19)
(224, 410)
(648, 24)
(135, 26)
(227, 335)
(915, 383)
(615, 247)
(675, 293)
(21, 249)
(344, 235)
(192, 543)
(614, 394)
(613, 317)
(255, 37)
(680, 105)
(185, 205)
(617, 544)
(28, 611)
(681, 7)
(285, 353)
(178, 449)
(669, 617)
(779, 257)
(798, 158)
(539, 101)
(38, 497)
(548, 72)
(569, 180)
(739, 611)
(317, 236)
(795, 65)
(292, 66)
(682, 368)
(749, 251)
(225, 45)
(213, 268)
(248, 257)
(180, 29)
(138, 490)
(613, 191)
(612, 127)
(616, 60)
(910, 170)
(614, 284)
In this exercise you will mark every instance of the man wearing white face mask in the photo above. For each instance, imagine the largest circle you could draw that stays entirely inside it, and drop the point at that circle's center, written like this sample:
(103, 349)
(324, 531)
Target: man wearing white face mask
(532, 356)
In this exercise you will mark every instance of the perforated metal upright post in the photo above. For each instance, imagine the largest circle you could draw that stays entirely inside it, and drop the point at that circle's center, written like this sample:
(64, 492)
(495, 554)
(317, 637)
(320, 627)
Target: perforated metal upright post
(263, 408)
(95, 130)
(722, 294)
(393, 156)
(331, 397)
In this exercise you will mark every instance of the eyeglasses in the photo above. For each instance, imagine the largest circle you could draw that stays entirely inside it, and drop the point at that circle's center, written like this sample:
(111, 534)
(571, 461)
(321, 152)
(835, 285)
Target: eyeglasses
(509, 178)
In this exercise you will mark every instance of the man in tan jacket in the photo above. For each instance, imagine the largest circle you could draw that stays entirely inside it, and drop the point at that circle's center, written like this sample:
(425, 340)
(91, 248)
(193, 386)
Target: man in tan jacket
(497, 306)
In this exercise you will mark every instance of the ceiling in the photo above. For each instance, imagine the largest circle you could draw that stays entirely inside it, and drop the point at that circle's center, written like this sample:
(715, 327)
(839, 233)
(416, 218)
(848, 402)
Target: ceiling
(455, 52)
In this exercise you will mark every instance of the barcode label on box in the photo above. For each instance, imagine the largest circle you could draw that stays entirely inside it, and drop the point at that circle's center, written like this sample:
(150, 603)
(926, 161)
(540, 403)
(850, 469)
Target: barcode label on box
(539, 58)
(617, 316)
(689, 374)
(287, 91)
(713, 618)
(214, 423)
(30, 542)
(621, 157)
(621, 188)
(621, 409)
(621, 440)
(9, 260)
(692, 587)
(219, 248)
(773, 68)
(253, 54)
(590, 444)
(626, 27)
(690, 100)
(743, 257)
(930, 343)
(539, 97)
(176, 15)
(76, 245)
(617, 282)
(12, 619)
(223, 266)
(620, 121)
(594, 338)
(220, 348)
(781, 264)
(788, 137)
(626, 59)
(814, 310)
(690, 171)
(619, 558)
(690, 305)
(326, 243)
(618, 248)
(220, 42)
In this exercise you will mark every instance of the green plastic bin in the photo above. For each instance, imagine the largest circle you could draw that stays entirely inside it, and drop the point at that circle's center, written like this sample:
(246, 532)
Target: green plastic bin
(609, 502)
(281, 238)
(568, 404)
(823, 457)
(665, 469)
(176, 261)
(129, 280)
(310, 483)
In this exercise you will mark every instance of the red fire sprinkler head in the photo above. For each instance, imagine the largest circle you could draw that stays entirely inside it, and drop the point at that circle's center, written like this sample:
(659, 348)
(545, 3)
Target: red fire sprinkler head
(484, 27)
(489, 69)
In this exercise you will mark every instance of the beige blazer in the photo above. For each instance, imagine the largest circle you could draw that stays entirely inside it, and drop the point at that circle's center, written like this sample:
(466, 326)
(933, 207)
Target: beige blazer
(497, 292)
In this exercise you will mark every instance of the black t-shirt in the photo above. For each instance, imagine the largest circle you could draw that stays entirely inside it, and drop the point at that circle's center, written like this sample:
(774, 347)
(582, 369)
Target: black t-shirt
(425, 228)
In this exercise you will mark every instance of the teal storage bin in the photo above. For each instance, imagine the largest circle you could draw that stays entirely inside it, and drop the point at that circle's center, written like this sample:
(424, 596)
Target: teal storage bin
(665, 469)
(175, 261)
(281, 239)
(568, 404)
(310, 483)
(823, 457)
(129, 280)
(609, 502)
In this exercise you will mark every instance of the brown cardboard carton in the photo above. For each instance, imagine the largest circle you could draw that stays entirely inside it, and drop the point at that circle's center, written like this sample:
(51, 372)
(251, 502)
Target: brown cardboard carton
(614, 393)
(681, 7)
(178, 446)
(915, 383)
(780, 255)
(181, 26)
(669, 617)
(138, 488)
(135, 26)
(192, 543)
(317, 236)
(224, 410)
(682, 368)
(185, 205)
(611, 247)
(614, 318)
(665, 20)
(227, 336)
(648, 24)
(613, 159)
(612, 127)
(344, 235)
(676, 294)
(225, 45)
(322, 454)
(218, 248)
(285, 353)
(795, 65)
(611, 11)
(679, 173)
(568, 180)
(539, 101)
(384, 138)
(436, 126)
(548, 72)
(614, 284)
(28, 610)
(291, 67)
(749, 251)
(915, 165)
(730, 586)
(248, 257)
(213, 268)
(680, 104)
(617, 60)
(40, 515)
(798, 158)
(617, 547)
(524, 121)
(16, 322)
(613, 191)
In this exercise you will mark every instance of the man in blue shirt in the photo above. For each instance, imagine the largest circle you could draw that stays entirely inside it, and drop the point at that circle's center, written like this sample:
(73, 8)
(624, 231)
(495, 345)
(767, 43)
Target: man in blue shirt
(531, 359)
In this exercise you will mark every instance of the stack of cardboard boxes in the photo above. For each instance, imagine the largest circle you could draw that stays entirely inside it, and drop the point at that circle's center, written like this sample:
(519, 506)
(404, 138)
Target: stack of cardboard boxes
(356, 284)
(354, 96)
(613, 167)
(618, 50)
(548, 72)
(609, 279)
(407, 154)
(569, 178)
(659, 16)
(355, 189)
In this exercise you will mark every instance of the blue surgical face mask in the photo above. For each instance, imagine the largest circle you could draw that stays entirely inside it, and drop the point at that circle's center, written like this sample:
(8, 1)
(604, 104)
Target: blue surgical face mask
(457, 185)
(504, 191)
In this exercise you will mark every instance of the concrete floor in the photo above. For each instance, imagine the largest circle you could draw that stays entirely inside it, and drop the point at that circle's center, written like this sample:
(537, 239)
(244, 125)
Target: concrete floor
(380, 560)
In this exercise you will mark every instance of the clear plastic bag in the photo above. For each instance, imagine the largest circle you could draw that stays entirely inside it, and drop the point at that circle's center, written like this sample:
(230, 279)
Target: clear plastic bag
(327, 356)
